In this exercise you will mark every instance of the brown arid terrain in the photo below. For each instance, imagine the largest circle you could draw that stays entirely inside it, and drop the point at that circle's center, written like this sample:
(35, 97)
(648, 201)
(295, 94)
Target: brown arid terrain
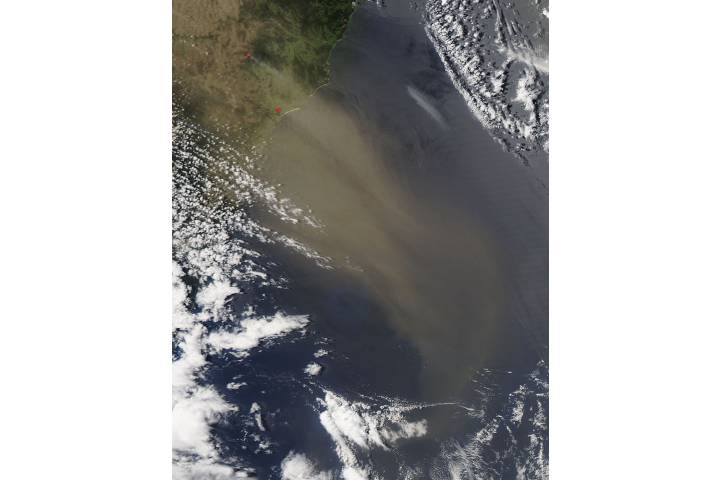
(238, 65)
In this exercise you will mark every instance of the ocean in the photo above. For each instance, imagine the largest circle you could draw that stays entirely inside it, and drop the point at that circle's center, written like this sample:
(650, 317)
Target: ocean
(373, 300)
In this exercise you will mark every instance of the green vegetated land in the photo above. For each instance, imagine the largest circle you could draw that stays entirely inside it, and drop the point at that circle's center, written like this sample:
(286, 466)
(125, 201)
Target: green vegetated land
(236, 61)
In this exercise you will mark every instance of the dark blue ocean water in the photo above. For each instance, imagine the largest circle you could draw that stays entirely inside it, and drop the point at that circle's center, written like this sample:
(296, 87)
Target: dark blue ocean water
(460, 332)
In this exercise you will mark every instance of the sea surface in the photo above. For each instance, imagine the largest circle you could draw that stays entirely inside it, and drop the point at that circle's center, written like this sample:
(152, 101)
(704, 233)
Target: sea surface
(368, 296)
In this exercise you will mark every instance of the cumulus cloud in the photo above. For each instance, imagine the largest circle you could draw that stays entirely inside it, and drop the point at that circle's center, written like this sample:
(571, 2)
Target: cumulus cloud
(185, 368)
(366, 428)
(313, 369)
(355, 426)
(184, 469)
(527, 90)
(208, 247)
(257, 411)
(344, 420)
(213, 296)
(351, 467)
(196, 408)
(181, 317)
(193, 416)
(297, 466)
(354, 473)
(253, 330)
(527, 57)
(466, 47)
(404, 430)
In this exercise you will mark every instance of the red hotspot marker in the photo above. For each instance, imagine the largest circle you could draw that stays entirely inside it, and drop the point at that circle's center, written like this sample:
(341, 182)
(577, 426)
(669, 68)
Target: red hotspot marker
(248, 54)
(278, 109)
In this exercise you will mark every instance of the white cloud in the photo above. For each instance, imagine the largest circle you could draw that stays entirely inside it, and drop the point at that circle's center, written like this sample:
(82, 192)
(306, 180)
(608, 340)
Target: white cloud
(297, 466)
(213, 296)
(255, 409)
(354, 473)
(484, 84)
(346, 421)
(181, 317)
(345, 454)
(405, 430)
(191, 360)
(313, 369)
(356, 427)
(193, 416)
(205, 470)
(527, 91)
(206, 246)
(253, 331)
(197, 408)
(425, 103)
(527, 57)
(366, 428)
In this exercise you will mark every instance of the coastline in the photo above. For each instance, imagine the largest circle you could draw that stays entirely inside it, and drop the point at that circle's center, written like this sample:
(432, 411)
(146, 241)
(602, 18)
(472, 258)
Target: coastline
(239, 65)
(422, 277)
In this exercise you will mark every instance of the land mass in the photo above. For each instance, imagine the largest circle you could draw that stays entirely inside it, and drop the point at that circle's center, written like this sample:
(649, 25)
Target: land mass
(239, 64)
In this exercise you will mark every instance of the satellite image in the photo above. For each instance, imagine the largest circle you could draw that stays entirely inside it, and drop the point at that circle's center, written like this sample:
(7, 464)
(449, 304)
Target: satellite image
(360, 239)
